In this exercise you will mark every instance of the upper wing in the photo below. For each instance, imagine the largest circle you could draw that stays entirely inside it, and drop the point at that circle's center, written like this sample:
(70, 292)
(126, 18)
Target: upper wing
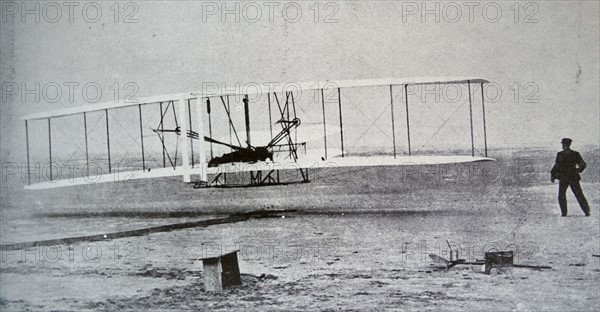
(277, 88)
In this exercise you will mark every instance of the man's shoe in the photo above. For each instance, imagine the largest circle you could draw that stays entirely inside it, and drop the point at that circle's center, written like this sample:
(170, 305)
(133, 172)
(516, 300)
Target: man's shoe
(563, 215)
(587, 214)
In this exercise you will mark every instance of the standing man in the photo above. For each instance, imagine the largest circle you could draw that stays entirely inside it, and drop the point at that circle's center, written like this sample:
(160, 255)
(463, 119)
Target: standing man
(566, 169)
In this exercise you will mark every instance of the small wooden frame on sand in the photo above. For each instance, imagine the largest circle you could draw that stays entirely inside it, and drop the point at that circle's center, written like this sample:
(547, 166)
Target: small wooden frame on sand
(221, 272)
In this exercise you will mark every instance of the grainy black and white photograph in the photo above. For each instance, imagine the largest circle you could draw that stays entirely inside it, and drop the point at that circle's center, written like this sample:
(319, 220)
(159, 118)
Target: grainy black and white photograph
(301, 155)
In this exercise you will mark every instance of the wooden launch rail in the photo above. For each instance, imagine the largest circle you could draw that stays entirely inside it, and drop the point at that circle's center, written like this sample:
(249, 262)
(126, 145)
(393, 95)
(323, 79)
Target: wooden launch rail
(145, 231)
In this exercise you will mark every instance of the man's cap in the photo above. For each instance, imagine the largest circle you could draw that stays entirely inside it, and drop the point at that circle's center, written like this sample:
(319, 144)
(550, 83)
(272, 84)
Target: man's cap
(566, 141)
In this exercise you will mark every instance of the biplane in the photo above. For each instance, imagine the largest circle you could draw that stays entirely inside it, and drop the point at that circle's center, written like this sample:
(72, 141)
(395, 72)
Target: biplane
(183, 130)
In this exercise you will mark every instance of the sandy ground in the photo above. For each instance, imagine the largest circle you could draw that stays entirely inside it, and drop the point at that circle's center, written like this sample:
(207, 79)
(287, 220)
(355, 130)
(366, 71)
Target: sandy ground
(359, 240)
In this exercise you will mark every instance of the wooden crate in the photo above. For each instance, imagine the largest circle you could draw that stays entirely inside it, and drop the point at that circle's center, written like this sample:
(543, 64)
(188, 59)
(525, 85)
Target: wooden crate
(221, 272)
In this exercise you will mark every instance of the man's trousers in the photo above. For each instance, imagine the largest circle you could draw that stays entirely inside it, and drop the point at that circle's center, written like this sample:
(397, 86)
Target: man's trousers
(576, 188)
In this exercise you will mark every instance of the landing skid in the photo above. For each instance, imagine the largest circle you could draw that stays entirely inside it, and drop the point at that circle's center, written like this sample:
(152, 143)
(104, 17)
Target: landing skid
(257, 178)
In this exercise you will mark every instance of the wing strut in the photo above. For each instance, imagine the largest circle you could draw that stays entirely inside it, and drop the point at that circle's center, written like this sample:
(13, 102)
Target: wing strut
(341, 124)
(247, 117)
(185, 156)
(324, 124)
(393, 127)
(162, 116)
(229, 109)
(191, 132)
(200, 133)
(50, 148)
(87, 159)
(108, 140)
(209, 125)
(484, 129)
(141, 138)
(407, 119)
(270, 120)
(27, 144)
(293, 146)
(471, 118)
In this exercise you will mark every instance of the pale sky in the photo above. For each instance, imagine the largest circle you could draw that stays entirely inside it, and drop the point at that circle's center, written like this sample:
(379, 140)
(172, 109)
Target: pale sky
(547, 50)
